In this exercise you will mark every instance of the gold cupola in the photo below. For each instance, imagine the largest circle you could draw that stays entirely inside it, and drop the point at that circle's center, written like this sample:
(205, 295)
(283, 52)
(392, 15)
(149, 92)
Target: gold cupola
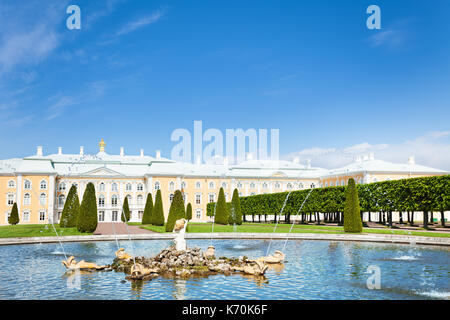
(102, 145)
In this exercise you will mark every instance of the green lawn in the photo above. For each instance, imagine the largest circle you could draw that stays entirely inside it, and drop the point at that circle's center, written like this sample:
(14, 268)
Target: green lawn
(37, 230)
(284, 228)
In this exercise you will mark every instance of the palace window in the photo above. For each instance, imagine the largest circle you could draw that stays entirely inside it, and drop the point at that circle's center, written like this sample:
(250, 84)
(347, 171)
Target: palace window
(26, 216)
(42, 199)
(140, 187)
(140, 214)
(128, 187)
(239, 185)
(114, 200)
(198, 214)
(27, 185)
(61, 200)
(313, 185)
(211, 185)
(264, 185)
(171, 186)
(114, 187)
(62, 186)
(300, 185)
(252, 194)
(198, 185)
(41, 215)
(289, 186)
(224, 185)
(27, 199)
(277, 185)
(171, 197)
(101, 187)
(114, 216)
(10, 199)
(101, 201)
(139, 199)
(101, 216)
(43, 185)
(252, 185)
(157, 185)
(198, 198)
(129, 199)
(183, 185)
(212, 197)
(11, 184)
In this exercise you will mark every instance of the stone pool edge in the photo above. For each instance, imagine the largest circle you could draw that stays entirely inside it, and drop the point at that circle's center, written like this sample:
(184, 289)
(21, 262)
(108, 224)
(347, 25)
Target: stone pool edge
(382, 238)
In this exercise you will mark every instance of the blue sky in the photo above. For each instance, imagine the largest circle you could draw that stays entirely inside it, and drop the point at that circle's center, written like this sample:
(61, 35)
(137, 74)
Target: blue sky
(137, 70)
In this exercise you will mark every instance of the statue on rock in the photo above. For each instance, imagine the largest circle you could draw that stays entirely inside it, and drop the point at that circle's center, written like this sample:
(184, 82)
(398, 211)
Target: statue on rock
(122, 255)
(72, 264)
(180, 230)
(277, 257)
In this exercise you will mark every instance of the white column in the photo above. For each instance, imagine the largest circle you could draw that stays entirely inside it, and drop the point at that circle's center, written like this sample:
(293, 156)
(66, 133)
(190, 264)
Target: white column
(19, 191)
(51, 197)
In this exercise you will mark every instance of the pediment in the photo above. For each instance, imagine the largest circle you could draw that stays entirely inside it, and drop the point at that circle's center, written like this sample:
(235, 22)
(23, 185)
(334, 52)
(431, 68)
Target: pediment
(278, 174)
(103, 171)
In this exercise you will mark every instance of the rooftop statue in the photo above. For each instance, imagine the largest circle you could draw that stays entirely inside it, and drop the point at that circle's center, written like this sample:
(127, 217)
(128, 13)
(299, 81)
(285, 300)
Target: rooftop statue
(72, 264)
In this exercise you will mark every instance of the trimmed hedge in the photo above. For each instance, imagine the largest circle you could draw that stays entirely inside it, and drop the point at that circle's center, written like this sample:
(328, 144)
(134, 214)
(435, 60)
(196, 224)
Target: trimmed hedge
(352, 216)
(414, 194)
(158, 211)
(71, 209)
(87, 219)
(147, 216)
(125, 211)
(176, 211)
(14, 216)
(222, 212)
(189, 211)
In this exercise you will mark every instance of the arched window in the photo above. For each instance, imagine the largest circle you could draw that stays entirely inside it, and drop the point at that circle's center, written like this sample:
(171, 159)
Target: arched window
(300, 185)
(114, 200)
(289, 186)
(171, 197)
(62, 186)
(114, 187)
(313, 185)
(128, 187)
(139, 199)
(198, 185)
(172, 186)
(277, 185)
(10, 200)
(101, 201)
(224, 185)
(11, 184)
(212, 197)
(27, 199)
(140, 187)
(239, 185)
(211, 185)
(129, 199)
(198, 198)
(264, 185)
(61, 199)
(43, 185)
(27, 185)
(252, 185)
(183, 185)
(157, 185)
(101, 187)
(43, 199)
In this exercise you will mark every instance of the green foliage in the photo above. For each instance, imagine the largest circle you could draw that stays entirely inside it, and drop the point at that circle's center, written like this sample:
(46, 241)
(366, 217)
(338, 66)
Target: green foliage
(148, 211)
(14, 216)
(221, 209)
(158, 211)
(125, 211)
(176, 211)
(235, 212)
(352, 213)
(189, 211)
(87, 218)
(71, 209)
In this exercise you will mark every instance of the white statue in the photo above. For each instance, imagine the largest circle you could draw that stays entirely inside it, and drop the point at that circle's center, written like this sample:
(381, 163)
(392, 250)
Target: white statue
(180, 230)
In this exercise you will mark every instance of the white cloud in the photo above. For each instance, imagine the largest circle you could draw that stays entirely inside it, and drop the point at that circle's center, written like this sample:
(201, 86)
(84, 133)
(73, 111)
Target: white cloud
(431, 149)
(142, 22)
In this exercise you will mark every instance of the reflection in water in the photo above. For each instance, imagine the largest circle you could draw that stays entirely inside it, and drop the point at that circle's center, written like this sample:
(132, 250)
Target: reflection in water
(312, 270)
(277, 267)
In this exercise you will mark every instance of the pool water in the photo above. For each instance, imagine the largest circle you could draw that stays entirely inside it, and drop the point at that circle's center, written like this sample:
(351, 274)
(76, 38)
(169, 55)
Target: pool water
(313, 270)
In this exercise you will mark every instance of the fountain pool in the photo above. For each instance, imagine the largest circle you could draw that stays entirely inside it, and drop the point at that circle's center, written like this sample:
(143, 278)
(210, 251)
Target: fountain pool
(313, 270)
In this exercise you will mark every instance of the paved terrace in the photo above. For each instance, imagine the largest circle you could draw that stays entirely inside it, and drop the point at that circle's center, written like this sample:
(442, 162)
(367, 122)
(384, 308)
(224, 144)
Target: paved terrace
(382, 238)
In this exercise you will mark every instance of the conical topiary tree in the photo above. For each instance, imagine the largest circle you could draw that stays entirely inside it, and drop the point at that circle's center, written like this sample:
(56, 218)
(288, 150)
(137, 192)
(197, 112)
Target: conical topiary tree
(352, 217)
(221, 209)
(235, 215)
(87, 218)
(125, 211)
(147, 216)
(176, 210)
(14, 216)
(71, 209)
(189, 211)
(158, 211)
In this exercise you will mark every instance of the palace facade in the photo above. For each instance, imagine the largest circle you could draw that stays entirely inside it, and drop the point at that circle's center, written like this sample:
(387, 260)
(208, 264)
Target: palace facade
(39, 184)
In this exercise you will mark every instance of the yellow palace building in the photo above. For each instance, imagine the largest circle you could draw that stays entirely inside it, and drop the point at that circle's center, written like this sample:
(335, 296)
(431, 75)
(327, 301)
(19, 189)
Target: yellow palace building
(39, 184)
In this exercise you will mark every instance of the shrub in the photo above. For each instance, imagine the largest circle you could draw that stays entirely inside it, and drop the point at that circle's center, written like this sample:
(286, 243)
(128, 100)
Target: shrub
(71, 209)
(352, 214)
(87, 219)
(221, 209)
(176, 211)
(148, 211)
(14, 216)
(158, 211)
(189, 211)
(235, 212)
(125, 216)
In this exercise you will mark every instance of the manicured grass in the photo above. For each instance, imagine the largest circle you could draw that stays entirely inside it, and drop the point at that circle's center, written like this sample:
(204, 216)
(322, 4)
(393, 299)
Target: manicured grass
(284, 228)
(37, 230)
